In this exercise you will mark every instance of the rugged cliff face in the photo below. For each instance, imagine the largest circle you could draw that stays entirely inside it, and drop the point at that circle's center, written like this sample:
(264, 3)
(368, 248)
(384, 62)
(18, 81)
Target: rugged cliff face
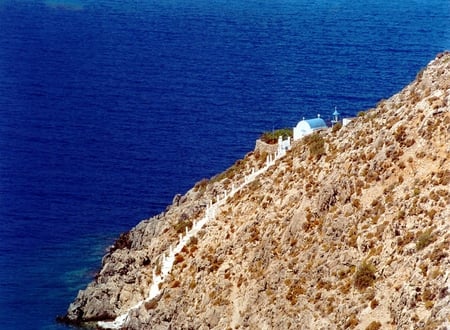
(350, 229)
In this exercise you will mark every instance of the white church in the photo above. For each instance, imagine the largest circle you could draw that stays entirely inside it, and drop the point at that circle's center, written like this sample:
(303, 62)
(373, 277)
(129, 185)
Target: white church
(308, 126)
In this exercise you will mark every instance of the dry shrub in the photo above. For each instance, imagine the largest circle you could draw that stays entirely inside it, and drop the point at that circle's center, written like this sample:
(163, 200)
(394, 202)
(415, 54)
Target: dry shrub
(295, 289)
(429, 304)
(316, 145)
(175, 284)
(443, 177)
(182, 223)
(365, 275)
(424, 239)
(438, 254)
(152, 304)
(178, 258)
(374, 325)
(345, 287)
(201, 185)
(352, 322)
(405, 239)
(428, 295)
(374, 303)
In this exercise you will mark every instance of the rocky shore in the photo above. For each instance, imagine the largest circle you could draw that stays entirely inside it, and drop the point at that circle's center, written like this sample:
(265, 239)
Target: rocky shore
(350, 229)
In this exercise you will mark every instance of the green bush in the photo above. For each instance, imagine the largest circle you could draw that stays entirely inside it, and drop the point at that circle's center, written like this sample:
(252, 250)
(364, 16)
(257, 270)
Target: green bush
(424, 239)
(365, 275)
(272, 137)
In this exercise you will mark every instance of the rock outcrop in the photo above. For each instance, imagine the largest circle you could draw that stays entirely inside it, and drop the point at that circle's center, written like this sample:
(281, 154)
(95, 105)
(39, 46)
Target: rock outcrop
(350, 229)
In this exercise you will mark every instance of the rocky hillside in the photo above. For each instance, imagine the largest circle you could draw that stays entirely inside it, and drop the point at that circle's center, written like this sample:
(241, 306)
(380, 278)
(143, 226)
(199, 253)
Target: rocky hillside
(351, 229)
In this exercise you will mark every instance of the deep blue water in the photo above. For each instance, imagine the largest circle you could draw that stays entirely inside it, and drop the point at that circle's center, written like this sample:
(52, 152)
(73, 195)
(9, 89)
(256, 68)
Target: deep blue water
(110, 108)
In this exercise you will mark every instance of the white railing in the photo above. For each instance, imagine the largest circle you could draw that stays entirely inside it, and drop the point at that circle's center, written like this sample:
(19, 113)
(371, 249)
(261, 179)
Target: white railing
(168, 261)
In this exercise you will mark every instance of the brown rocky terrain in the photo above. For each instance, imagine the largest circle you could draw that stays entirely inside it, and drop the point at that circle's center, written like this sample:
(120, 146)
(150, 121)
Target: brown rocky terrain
(351, 229)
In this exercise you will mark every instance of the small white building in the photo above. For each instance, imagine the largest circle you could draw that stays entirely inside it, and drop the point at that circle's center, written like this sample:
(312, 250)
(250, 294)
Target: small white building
(346, 121)
(283, 145)
(308, 126)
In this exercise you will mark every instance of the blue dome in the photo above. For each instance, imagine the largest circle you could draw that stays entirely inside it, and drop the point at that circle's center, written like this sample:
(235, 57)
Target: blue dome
(316, 123)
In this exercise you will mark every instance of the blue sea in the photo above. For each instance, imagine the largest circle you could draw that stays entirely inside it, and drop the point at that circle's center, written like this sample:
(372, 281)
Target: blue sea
(110, 108)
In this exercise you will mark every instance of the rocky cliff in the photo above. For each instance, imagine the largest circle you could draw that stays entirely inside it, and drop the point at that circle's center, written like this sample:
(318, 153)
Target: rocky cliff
(350, 229)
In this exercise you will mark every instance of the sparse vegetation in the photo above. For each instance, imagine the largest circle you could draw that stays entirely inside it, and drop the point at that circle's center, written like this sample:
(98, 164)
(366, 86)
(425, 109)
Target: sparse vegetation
(424, 239)
(178, 258)
(374, 303)
(201, 185)
(289, 240)
(272, 137)
(152, 304)
(316, 144)
(352, 322)
(295, 289)
(183, 223)
(365, 275)
(374, 325)
(174, 284)
(336, 127)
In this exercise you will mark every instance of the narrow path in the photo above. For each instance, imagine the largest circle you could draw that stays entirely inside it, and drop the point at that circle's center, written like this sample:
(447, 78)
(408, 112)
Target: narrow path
(167, 261)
